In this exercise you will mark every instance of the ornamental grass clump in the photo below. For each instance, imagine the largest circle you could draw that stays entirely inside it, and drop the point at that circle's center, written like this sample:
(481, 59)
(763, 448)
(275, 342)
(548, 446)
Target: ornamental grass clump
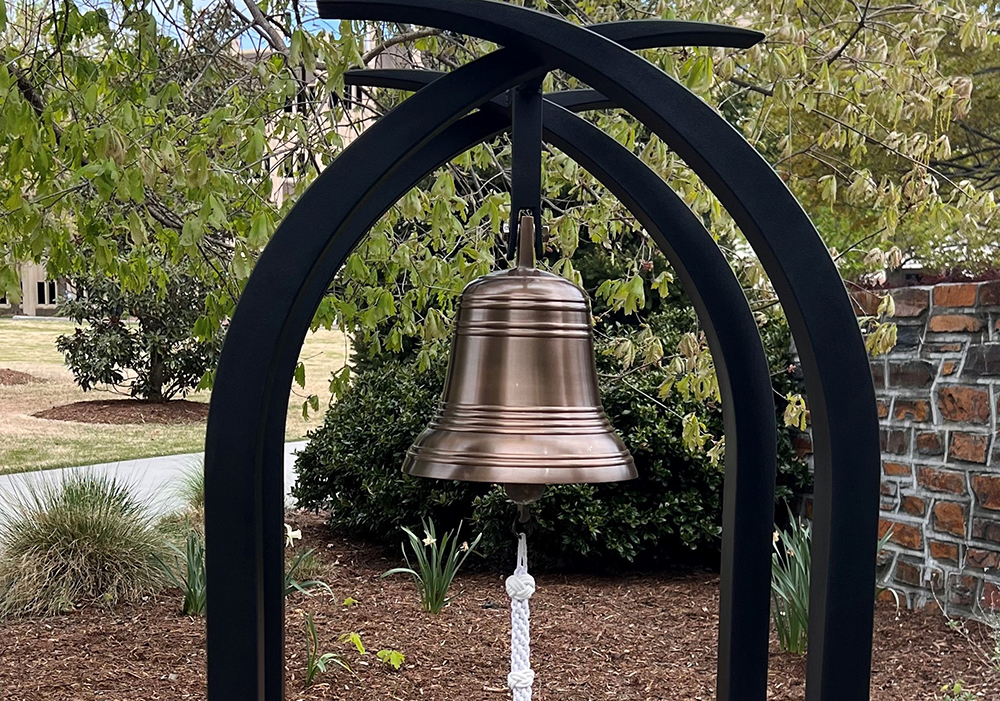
(84, 539)
(437, 563)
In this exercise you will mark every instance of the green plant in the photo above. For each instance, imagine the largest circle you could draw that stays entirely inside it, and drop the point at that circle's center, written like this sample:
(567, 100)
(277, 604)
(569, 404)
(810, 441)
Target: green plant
(355, 640)
(985, 641)
(81, 539)
(190, 487)
(303, 562)
(956, 691)
(883, 570)
(392, 658)
(193, 580)
(153, 356)
(317, 663)
(790, 564)
(437, 564)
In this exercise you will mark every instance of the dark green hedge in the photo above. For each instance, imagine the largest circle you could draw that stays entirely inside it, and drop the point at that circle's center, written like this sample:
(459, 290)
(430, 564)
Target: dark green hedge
(352, 466)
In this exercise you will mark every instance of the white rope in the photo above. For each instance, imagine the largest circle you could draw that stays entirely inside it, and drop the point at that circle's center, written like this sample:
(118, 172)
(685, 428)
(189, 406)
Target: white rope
(520, 587)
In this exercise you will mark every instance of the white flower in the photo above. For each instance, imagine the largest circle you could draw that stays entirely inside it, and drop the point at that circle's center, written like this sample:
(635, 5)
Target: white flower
(291, 536)
(430, 540)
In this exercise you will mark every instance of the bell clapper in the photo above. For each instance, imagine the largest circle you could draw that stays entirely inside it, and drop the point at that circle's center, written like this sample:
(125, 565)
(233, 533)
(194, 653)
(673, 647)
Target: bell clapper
(524, 493)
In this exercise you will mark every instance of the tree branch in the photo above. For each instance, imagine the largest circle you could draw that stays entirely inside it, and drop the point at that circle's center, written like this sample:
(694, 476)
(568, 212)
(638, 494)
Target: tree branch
(750, 86)
(265, 28)
(857, 30)
(398, 39)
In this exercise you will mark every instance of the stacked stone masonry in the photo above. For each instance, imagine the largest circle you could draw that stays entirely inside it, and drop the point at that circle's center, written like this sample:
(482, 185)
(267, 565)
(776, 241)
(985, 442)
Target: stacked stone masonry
(938, 392)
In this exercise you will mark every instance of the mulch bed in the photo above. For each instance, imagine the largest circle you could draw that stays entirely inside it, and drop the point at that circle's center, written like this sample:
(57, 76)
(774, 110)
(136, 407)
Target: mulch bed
(128, 411)
(634, 637)
(13, 377)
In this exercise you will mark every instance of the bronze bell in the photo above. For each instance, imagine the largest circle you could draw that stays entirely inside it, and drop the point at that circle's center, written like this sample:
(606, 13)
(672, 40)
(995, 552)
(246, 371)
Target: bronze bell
(521, 404)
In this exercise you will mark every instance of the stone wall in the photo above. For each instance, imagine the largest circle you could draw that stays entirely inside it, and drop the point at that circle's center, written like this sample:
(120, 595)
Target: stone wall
(938, 392)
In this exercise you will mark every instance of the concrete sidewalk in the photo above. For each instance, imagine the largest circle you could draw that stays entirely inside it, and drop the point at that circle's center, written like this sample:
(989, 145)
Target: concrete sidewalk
(152, 479)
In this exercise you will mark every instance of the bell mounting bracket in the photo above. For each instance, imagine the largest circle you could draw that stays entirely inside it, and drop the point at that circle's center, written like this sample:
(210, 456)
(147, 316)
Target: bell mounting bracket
(526, 162)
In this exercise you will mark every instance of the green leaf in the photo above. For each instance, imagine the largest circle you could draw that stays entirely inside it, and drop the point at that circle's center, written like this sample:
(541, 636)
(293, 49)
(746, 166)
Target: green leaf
(635, 295)
(260, 229)
(699, 73)
(355, 640)
(90, 97)
(393, 658)
(661, 283)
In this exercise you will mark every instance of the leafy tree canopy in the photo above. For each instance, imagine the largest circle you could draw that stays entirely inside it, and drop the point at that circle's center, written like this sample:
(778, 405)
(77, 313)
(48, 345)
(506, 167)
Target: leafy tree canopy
(149, 130)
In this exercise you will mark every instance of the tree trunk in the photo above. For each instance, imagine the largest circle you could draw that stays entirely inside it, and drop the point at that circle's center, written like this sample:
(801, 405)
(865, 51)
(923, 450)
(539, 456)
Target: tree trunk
(157, 370)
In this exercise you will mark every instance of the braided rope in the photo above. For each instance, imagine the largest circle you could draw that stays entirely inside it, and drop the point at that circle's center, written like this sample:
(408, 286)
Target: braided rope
(520, 587)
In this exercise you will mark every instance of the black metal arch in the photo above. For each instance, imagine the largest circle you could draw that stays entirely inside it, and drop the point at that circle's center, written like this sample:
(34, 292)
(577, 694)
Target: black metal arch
(838, 379)
(245, 427)
(244, 441)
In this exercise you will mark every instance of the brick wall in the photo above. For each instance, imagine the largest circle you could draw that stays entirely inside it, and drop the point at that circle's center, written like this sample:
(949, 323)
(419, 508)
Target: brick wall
(938, 392)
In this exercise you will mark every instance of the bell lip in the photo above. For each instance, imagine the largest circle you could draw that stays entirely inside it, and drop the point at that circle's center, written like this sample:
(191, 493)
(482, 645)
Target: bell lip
(432, 469)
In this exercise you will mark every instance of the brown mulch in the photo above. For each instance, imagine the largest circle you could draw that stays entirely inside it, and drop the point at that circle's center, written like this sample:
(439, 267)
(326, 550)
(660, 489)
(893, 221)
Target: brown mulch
(13, 377)
(634, 637)
(128, 411)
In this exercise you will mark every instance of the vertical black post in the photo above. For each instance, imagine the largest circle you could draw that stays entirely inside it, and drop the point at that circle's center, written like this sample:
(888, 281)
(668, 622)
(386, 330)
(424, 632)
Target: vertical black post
(526, 161)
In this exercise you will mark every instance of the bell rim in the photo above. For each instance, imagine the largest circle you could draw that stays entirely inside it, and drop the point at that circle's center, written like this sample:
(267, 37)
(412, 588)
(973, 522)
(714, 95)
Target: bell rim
(623, 471)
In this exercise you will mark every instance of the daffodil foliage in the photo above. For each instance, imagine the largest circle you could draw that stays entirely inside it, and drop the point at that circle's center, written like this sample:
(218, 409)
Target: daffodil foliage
(140, 133)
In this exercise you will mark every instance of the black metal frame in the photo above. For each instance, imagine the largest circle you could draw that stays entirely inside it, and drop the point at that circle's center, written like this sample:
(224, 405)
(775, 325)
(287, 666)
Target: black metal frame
(245, 433)
(526, 159)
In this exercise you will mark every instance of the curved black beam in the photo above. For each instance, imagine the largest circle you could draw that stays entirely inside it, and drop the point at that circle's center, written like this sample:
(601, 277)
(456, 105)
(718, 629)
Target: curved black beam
(580, 100)
(244, 437)
(401, 79)
(819, 311)
(744, 381)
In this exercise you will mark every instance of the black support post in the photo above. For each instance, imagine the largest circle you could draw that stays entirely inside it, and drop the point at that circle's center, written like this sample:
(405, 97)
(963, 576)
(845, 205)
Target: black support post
(526, 161)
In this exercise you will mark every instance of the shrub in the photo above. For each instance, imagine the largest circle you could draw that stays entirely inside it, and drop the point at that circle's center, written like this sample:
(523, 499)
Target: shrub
(84, 539)
(352, 466)
(155, 358)
(437, 564)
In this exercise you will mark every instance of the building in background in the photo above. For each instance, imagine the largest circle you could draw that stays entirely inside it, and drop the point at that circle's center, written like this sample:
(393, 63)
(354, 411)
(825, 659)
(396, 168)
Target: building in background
(40, 296)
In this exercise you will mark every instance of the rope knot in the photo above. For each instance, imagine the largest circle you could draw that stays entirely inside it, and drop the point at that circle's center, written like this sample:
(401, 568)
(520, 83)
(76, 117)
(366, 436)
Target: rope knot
(521, 679)
(520, 586)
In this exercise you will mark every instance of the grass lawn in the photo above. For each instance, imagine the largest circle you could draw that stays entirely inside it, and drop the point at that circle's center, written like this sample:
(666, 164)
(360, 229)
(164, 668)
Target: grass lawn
(29, 443)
